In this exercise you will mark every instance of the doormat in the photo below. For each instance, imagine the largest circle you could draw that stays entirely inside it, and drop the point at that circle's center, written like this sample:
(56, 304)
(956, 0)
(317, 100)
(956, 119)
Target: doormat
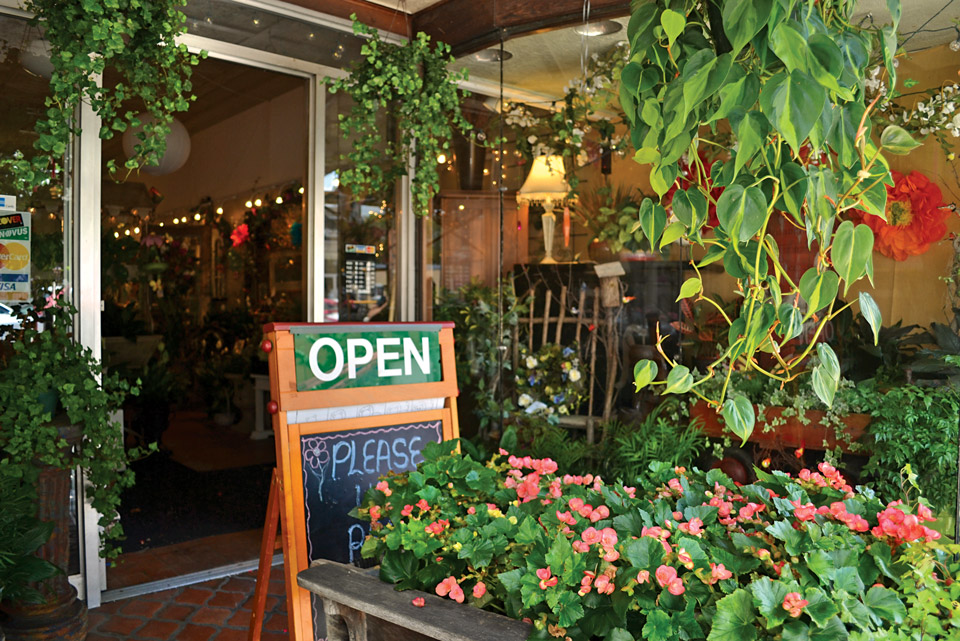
(198, 443)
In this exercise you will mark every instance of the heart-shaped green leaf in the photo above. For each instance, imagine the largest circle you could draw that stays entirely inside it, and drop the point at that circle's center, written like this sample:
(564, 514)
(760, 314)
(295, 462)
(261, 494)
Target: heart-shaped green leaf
(653, 219)
(791, 321)
(673, 24)
(897, 141)
(741, 212)
(672, 233)
(739, 416)
(689, 288)
(826, 375)
(679, 381)
(851, 252)
(644, 373)
(870, 311)
(819, 290)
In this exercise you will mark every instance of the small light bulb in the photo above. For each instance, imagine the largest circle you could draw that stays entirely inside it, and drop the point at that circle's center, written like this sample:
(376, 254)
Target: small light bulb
(301, 190)
(279, 200)
(256, 22)
(126, 232)
(161, 224)
(136, 230)
(441, 158)
(494, 182)
(176, 221)
(460, 207)
(258, 202)
(486, 172)
(248, 204)
(219, 210)
(310, 36)
(116, 234)
(197, 216)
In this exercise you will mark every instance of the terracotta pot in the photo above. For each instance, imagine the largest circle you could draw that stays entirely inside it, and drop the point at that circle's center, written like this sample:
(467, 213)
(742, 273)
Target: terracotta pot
(789, 435)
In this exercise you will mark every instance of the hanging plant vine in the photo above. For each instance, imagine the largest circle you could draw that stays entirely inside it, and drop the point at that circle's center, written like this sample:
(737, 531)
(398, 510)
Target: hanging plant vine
(414, 83)
(137, 41)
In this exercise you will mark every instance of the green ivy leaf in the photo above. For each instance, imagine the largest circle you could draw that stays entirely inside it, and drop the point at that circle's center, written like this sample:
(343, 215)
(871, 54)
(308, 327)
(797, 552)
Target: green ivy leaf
(870, 311)
(658, 627)
(790, 46)
(739, 416)
(793, 102)
(743, 19)
(741, 212)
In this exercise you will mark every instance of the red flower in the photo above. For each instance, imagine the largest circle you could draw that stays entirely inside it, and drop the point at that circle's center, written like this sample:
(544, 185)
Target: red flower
(915, 217)
(240, 235)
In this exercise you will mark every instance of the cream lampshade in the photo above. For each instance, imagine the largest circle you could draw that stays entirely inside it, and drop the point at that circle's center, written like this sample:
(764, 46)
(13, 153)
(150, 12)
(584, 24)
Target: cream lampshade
(546, 183)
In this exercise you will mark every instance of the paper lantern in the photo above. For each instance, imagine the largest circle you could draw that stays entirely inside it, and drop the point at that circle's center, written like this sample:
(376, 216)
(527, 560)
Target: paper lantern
(176, 154)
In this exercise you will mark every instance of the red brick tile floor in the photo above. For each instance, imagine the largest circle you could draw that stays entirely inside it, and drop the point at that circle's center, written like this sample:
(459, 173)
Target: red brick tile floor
(215, 610)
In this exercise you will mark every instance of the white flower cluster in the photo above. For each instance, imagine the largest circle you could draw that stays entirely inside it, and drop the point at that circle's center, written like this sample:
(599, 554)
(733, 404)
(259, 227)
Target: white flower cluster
(518, 114)
(937, 114)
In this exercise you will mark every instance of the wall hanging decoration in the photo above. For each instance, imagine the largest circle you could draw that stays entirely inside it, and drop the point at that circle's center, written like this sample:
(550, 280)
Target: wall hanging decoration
(916, 217)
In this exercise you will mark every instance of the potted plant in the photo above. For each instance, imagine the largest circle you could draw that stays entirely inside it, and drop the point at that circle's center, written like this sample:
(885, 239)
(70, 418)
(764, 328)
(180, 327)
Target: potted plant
(47, 446)
(687, 555)
(610, 213)
(786, 79)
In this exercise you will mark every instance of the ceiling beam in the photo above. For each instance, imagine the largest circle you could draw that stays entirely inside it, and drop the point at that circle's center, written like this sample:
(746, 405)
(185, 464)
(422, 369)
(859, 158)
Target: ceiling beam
(471, 25)
(370, 14)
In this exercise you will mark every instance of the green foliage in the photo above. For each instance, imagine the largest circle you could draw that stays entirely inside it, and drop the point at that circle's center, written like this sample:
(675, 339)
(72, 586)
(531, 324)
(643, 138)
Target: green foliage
(690, 555)
(474, 311)
(132, 39)
(787, 78)
(611, 216)
(21, 534)
(412, 82)
(917, 426)
(50, 360)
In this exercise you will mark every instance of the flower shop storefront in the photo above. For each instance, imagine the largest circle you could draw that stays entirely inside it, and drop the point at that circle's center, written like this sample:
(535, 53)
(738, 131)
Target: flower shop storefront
(664, 248)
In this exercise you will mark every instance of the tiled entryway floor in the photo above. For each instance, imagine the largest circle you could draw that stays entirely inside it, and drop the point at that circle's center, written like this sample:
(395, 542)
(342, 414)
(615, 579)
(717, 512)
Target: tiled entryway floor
(215, 610)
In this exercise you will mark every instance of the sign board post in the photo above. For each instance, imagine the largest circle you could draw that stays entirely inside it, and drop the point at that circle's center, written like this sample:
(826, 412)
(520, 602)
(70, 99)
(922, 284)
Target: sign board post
(350, 402)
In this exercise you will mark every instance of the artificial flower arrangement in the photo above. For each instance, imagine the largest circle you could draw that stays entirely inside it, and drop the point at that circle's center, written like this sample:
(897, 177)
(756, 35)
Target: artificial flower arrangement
(691, 556)
(550, 381)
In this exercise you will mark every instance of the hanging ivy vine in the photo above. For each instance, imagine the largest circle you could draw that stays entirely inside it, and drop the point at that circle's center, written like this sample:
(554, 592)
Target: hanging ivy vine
(414, 83)
(134, 39)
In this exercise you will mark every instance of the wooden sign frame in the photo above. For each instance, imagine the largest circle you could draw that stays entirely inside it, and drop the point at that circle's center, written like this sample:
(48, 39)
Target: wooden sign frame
(287, 493)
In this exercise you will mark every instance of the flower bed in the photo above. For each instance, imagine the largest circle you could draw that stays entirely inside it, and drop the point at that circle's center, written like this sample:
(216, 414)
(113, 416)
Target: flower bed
(691, 556)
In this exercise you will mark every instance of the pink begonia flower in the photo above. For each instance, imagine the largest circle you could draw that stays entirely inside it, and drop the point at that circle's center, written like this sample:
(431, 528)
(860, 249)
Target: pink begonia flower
(665, 574)
(676, 587)
(419, 602)
(803, 512)
(423, 505)
(407, 510)
(608, 537)
(580, 546)
(643, 576)
(685, 559)
(694, 527)
(479, 589)
(374, 512)
(575, 504)
(585, 511)
(610, 555)
(793, 604)
(591, 536)
(547, 580)
(450, 586)
(471, 510)
(719, 573)
(384, 487)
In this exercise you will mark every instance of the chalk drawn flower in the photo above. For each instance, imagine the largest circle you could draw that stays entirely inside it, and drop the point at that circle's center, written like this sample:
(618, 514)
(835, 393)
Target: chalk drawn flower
(316, 456)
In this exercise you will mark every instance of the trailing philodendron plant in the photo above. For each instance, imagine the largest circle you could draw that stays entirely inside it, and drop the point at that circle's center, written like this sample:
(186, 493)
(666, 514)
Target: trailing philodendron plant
(137, 41)
(691, 555)
(413, 82)
(786, 78)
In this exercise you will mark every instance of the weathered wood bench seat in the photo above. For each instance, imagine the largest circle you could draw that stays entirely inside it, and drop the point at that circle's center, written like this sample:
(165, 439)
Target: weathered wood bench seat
(355, 603)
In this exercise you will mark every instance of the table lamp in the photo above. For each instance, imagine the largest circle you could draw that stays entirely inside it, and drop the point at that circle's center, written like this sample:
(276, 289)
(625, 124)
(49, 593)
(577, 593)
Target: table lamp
(546, 183)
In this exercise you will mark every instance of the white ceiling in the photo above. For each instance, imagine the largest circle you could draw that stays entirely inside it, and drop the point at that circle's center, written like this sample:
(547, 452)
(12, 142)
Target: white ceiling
(545, 62)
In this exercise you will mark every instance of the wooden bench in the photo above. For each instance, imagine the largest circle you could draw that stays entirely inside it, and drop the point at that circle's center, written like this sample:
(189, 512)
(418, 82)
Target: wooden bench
(358, 607)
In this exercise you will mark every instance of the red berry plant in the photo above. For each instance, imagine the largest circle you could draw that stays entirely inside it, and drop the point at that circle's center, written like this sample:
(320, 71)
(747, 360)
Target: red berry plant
(692, 555)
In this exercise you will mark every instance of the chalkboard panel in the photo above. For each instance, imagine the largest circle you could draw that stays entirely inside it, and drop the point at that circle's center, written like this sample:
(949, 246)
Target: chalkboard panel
(339, 467)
